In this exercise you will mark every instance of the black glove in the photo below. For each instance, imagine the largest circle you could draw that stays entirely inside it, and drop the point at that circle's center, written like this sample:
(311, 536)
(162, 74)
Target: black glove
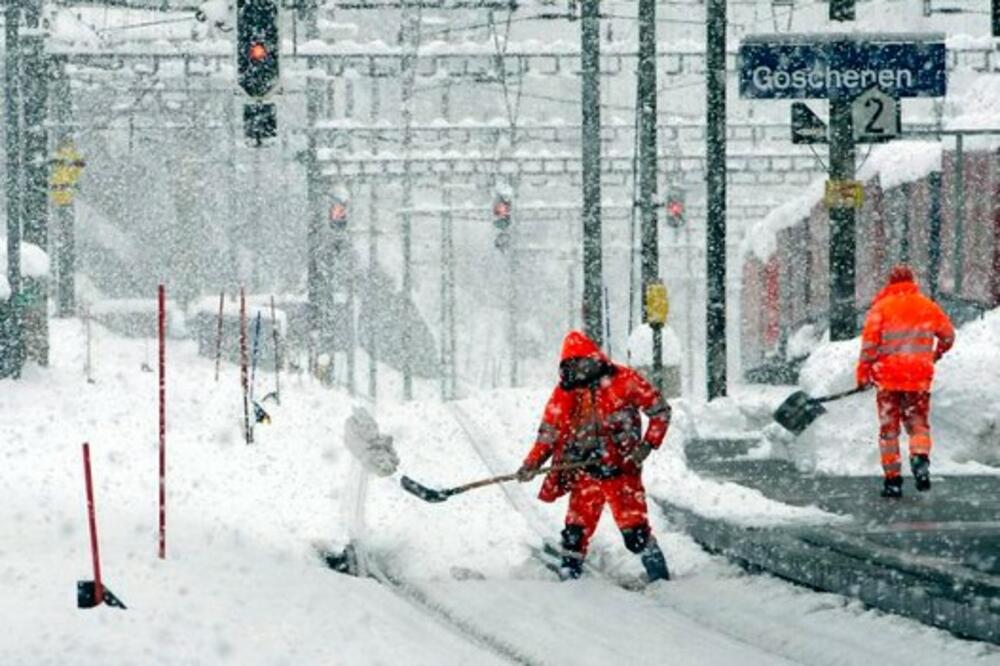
(639, 454)
(526, 473)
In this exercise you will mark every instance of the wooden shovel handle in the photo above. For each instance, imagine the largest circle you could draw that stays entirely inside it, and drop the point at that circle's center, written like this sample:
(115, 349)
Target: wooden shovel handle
(513, 476)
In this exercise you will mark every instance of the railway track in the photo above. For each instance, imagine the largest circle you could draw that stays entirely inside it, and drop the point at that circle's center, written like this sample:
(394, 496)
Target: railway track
(417, 595)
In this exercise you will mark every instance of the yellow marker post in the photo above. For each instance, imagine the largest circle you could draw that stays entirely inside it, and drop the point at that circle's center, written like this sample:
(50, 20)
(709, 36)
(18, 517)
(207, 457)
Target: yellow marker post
(67, 167)
(657, 303)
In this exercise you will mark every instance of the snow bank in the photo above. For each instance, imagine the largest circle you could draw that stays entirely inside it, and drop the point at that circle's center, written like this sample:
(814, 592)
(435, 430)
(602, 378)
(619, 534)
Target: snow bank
(640, 346)
(34, 264)
(805, 340)
(239, 584)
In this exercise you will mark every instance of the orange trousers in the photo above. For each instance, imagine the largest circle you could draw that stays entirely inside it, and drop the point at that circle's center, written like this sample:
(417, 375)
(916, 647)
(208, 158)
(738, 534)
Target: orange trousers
(912, 409)
(625, 495)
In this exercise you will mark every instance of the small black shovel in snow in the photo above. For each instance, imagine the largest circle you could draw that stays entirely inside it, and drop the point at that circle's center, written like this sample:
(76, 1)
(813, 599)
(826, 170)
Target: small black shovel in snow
(91, 593)
(434, 496)
(800, 409)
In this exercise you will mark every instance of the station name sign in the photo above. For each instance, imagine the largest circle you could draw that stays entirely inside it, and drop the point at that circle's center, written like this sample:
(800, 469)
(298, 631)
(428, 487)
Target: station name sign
(839, 66)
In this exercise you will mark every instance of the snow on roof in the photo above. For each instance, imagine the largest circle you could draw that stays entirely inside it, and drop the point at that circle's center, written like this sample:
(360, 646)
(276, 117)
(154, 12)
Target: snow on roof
(761, 238)
(901, 162)
(894, 163)
(977, 107)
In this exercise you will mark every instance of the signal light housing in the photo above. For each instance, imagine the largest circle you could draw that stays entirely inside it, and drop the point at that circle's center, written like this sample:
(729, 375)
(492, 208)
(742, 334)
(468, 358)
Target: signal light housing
(338, 214)
(675, 210)
(257, 46)
(501, 213)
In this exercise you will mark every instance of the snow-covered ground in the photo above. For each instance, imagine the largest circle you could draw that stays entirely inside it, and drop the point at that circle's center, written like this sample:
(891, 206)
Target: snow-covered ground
(240, 584)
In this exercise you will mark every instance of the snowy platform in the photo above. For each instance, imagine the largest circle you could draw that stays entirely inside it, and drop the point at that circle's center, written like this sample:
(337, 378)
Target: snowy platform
(932, 557)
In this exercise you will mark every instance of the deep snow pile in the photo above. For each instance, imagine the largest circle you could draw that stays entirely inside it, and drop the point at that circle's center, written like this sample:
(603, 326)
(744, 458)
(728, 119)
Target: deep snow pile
(34, 263)
(240, 584)
(965, 409)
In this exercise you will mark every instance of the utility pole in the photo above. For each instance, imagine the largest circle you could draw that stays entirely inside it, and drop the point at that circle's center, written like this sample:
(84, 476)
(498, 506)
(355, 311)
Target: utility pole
(65, 233)
(715, 178)
(408, 67)
(590, 56)
(958, 202)
(647, 170)
(843, 322)
(346, 268)
(934, 234)
(316, 286)
(373, 208)
(12, 349)
(449, 363)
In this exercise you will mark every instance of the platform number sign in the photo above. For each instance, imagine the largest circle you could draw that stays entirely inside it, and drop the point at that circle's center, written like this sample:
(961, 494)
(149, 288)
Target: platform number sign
(876, 117)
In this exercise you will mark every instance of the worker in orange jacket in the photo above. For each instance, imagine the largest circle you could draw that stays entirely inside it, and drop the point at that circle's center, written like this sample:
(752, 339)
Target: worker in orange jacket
(593, 415)
(905, 333)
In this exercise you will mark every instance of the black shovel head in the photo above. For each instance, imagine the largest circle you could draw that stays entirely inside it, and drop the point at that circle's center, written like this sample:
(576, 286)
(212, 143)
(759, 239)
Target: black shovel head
(86, 596)
(798, 411)
(423, 492)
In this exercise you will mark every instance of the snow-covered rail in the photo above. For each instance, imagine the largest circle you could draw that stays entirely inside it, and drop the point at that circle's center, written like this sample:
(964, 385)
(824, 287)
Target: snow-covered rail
(417, 595)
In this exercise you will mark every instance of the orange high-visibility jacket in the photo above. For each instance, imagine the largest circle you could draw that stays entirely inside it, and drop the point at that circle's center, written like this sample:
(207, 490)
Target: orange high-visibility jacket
(612, 406)
(905, 333)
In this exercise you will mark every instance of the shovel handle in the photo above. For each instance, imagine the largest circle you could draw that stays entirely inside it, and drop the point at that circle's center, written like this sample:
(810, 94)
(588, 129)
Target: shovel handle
(513, 476)
(843, 394)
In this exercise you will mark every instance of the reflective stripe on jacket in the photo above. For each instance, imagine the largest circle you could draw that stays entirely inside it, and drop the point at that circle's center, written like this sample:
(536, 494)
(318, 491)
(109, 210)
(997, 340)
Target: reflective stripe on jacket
(905, 333)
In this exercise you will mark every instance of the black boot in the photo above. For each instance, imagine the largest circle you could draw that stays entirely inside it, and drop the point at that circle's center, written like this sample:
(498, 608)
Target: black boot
(571, 565)
(654, 562)
(893, 487)
(921, 466)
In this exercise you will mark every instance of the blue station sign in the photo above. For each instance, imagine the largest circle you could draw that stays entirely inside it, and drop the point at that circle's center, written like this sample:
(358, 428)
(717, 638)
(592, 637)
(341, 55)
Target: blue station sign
(841, 65)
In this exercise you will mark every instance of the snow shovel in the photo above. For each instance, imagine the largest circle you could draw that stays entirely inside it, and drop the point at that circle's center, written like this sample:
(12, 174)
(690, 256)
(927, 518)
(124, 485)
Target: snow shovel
(91, 593)
(800, 409)
(434, 496)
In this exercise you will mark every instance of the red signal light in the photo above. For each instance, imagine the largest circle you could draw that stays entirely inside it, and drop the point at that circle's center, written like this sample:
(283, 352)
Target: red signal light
(501, 209)
(258, 52)
(675, 208)
(338, 212)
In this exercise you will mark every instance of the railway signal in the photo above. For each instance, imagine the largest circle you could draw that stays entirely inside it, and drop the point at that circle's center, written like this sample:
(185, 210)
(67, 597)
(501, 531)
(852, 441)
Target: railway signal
(257, 46)
(502, 220)
(257, 64)
(675, 209)
(338, 213)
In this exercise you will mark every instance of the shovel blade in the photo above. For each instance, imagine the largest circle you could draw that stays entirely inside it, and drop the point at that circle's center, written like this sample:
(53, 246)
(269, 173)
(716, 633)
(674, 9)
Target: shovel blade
(423, 492)
(86, 596)
(798, 411)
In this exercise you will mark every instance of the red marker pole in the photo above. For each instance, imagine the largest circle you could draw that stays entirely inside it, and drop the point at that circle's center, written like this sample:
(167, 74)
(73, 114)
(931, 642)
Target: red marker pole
(92, 520)
(161, 321)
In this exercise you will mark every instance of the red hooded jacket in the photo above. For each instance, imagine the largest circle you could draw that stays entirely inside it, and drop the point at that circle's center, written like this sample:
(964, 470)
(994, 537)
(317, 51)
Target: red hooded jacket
(905, 333)
(611, 408)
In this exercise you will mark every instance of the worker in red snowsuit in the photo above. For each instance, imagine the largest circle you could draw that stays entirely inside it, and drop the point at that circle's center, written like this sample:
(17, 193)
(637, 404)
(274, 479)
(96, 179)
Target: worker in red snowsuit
(593, 415)
(905, 333)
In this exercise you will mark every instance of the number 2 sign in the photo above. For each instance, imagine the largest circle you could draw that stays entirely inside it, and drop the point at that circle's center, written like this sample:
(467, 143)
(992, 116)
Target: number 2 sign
(876, 117)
